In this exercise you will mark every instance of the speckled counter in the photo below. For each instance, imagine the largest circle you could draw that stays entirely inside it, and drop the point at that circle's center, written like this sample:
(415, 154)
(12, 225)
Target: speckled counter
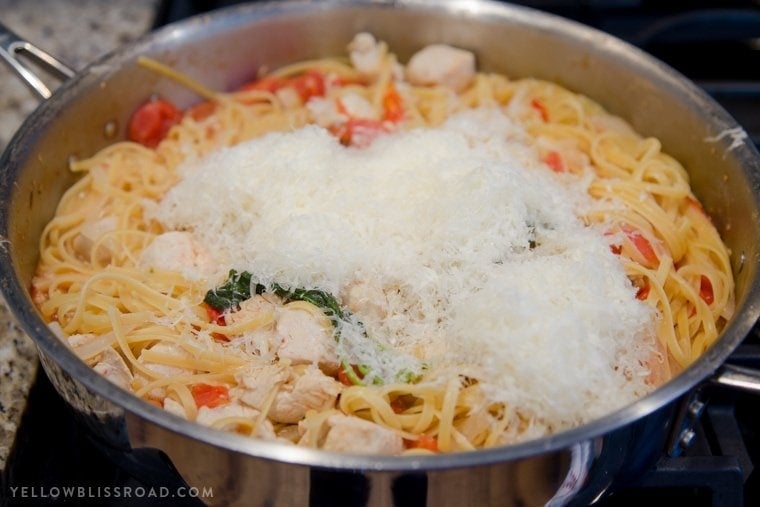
(75, 31)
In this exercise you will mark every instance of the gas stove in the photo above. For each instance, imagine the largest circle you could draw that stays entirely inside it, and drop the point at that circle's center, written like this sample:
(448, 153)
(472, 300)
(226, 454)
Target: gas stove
(715, 44)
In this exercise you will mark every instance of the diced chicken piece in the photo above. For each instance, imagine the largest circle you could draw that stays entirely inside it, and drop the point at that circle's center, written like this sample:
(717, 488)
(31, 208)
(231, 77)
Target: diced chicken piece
(289, 97)
(475, 424)
(329, 111)
(305, 340)
(357, 106)
(366, 299)
(41, 287)
(658, 364)
(165, 369)
(324, 111)
(311, 391)
(366, 54)
(250, 309)
(257, 383)
(261, 342)
(77, 340)
(208, 416)
(439, 64)
(90, 232)
(113, 367)
(87, 346)
(174, 407)
(178, 251)
(352, 434)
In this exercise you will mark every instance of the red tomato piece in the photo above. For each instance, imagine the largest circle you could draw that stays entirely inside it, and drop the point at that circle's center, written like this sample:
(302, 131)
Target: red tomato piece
(344, 81)
(393, 105)
(214, 315)
(206, 395)
(642, 245)
(343, 378)
(541, 108)
(151, 121)
(643, 292)
(706, 290)
(424, 441)
(201, 111)
(309, 84)
(554, 160)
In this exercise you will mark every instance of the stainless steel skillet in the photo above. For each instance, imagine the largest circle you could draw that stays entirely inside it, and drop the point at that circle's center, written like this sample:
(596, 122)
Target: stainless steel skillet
(223, 49)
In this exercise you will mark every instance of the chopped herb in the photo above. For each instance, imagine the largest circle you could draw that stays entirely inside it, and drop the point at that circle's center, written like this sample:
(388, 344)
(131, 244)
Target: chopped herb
(231, 293)
(239, 287)
(322, 300)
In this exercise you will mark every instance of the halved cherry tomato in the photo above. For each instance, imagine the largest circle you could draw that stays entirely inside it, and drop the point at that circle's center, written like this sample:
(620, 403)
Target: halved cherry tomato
(151, 121)
(642, 244)
(424, 441)
(214, 315)
(706, 290)
(643, 292)
(309, 84)
(206, 395)
(201, 111)
(541, 108)
(345, 80)
(554, 160)
(393, 105)
(217, 317)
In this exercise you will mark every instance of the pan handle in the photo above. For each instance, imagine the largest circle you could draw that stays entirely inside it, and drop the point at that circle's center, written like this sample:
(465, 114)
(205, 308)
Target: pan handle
(738, 377)
(12, 46)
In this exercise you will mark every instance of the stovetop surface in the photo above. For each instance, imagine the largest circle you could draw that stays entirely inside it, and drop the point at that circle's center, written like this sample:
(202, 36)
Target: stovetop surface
(716, 44)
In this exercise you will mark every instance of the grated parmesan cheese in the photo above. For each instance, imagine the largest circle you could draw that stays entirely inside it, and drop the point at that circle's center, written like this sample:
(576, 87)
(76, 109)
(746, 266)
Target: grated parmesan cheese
(487, 270)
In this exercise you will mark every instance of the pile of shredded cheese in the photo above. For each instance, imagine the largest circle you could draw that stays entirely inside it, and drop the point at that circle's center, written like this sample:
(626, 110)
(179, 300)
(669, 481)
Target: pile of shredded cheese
(482, 263)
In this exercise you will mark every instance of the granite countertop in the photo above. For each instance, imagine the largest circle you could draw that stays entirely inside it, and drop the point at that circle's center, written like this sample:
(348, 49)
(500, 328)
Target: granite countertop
(76, 32)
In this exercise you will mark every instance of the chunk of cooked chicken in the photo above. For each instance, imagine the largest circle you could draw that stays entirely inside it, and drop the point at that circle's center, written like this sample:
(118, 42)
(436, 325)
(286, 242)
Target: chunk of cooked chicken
(352, 434)
(356, 106)
(178, 251)
(163, 370)
(439, 64)
(89, 233)
(77, 340)
(366, 54)
(112, 366)
(210, 416)
(255, 384)
(304, 339)
(250, 309)
(311, 391)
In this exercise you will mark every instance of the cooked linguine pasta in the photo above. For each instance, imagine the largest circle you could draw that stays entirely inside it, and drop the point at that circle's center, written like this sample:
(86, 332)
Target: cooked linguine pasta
(172, 294)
